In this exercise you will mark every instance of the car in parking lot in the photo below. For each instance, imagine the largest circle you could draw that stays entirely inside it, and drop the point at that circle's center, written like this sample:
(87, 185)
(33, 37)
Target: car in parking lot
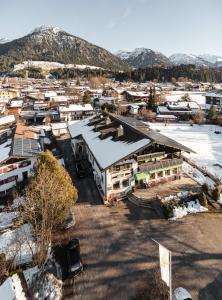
(181, 294)
(75, 265)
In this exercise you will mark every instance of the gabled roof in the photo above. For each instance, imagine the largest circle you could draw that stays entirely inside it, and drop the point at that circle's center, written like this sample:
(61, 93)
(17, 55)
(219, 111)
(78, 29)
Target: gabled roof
(106, 151)
(154, 136)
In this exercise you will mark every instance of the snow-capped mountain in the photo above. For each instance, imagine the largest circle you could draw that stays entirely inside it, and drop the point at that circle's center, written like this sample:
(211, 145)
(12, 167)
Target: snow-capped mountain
(200, 60)
(4, 40)
(142, 57)
(53, 44)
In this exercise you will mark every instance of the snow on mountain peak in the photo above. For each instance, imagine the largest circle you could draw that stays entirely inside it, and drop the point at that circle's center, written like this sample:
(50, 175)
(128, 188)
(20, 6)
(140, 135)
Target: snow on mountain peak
(46, 28)
(4, 40)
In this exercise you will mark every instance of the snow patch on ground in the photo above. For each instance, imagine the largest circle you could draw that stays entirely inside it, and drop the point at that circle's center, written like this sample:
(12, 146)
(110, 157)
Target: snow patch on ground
(191, 207)
(202, 139)
(47, 66)
(18, 244)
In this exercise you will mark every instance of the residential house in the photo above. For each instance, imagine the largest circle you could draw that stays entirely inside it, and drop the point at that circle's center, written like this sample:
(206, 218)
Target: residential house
(75, 112)
(18, 154)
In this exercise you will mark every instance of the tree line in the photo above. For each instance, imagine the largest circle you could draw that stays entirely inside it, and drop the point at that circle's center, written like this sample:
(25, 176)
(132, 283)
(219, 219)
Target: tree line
(167, 74)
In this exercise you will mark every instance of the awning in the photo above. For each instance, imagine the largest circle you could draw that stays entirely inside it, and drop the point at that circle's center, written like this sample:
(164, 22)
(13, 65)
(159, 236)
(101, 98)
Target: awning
(140, 176)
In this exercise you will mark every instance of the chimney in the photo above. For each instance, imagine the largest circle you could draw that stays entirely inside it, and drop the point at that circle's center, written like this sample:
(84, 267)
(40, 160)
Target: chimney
(120, 131)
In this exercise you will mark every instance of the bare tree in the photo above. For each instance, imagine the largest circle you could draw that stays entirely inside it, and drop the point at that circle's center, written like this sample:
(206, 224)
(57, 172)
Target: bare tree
(199, 118)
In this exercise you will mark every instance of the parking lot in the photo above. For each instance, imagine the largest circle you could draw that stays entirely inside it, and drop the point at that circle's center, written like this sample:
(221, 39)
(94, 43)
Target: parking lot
(118, 252)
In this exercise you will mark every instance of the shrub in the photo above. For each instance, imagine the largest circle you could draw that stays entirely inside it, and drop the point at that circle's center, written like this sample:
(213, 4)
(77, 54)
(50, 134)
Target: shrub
(3, 266)
(216, 194)
(205, 187)
(168, 208)
(203, 199)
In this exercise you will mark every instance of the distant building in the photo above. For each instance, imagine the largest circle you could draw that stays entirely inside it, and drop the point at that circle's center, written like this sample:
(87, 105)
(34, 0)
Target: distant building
(132, 96)
(75, 112)
(214, 98)
(8, 94)
(18, 154)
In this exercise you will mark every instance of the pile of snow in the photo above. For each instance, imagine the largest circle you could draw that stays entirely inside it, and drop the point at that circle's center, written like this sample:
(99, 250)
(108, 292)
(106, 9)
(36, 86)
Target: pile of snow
(180, 195)
(29, 274)
(6, 219)
(12, 289)
(17, 202)
(18, 244)
(192, 207)
(197, 175)
(49, 287)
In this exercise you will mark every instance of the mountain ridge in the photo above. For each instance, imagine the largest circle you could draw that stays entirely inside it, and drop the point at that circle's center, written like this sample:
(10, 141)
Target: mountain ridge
(54, 44)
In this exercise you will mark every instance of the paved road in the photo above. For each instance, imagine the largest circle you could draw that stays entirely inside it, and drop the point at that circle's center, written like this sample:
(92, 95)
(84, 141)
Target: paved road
(87, 190)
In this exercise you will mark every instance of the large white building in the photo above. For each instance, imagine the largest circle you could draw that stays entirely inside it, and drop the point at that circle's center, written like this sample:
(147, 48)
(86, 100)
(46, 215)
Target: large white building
(124, 153)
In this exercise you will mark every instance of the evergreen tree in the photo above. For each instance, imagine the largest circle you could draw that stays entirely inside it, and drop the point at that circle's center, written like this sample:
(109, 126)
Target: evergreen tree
(152, 99)
(213, 113)
(87, 98)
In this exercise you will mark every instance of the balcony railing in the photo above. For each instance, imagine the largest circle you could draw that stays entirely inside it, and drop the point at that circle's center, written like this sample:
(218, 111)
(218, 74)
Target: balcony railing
(167, 164)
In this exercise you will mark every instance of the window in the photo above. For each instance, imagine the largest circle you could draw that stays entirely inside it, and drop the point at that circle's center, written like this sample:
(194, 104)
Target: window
(153, 176)
(125, 183)
(175, 171)
(167, 172)
(116, 185)
(160, 174)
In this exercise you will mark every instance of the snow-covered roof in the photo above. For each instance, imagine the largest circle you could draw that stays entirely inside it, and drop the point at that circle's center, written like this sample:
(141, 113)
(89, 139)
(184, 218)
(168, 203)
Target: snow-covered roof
(137, 94)
(166, 117)
(7, 120)
(214, 94)
(16, 103)
(5, 149)
(106, 151)
(56, 126)
(76, 107)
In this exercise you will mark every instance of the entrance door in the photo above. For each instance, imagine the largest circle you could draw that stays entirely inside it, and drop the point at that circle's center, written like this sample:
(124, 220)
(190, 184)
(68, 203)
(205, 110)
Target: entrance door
(25, 175)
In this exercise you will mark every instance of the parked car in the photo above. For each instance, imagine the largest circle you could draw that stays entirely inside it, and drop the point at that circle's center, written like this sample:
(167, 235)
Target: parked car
(75, 266)
(181, 294)
(81, 170)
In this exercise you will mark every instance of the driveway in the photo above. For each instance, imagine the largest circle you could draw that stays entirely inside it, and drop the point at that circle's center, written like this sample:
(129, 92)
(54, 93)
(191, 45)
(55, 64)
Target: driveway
(87, 190)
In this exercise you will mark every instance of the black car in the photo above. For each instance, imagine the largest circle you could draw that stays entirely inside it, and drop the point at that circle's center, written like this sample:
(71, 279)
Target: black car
(75, 266)
(81, 170)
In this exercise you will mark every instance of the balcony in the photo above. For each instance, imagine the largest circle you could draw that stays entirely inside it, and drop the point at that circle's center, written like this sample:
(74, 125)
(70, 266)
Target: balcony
(160, 166)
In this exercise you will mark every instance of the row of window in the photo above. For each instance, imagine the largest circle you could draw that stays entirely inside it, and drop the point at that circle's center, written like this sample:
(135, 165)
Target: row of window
(125, 183)
(12, 167)
(8, 180)
(161, 174)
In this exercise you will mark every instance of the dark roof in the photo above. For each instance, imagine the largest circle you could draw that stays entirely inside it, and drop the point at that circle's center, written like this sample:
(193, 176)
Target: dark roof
(25, 147)
(142, 129)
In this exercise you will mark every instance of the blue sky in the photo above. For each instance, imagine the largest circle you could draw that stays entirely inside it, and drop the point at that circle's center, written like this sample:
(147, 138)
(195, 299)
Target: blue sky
(169, 26)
